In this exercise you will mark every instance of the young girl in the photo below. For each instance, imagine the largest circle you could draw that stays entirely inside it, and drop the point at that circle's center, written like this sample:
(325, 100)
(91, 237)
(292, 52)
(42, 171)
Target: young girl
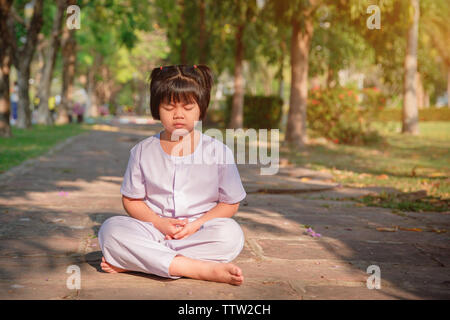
(180, 209)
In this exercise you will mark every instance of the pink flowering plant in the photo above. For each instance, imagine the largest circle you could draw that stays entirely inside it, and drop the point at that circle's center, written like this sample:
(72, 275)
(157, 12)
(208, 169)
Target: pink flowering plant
(343, 114)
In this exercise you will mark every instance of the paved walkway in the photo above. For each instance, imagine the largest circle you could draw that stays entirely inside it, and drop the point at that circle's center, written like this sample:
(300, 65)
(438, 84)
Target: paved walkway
(51, 210)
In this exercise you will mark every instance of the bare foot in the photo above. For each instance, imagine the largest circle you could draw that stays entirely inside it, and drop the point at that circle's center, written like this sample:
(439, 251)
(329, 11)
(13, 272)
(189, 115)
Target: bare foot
(110, 268)
(226, 272)
(206, 270)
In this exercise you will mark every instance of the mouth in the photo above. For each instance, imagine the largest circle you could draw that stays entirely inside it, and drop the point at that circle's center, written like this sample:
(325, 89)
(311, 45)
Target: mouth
(178, 125)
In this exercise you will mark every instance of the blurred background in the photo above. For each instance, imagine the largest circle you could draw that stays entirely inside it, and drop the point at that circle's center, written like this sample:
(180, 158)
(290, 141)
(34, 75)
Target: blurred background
(345, 81)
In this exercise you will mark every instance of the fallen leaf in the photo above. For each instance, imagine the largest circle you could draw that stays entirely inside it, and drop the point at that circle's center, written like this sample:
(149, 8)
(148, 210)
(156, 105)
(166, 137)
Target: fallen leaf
(436, 175)
(411, 229)
(439, 230)
(384, 229)
(382, 177)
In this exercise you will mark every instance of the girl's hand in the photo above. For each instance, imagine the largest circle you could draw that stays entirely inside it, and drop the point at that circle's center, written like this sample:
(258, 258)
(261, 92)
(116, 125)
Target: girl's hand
(169, 226)
(187, 230)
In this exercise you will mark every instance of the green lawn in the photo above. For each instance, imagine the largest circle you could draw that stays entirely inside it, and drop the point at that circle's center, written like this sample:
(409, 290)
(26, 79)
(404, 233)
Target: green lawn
(31, 143)
(407, 163)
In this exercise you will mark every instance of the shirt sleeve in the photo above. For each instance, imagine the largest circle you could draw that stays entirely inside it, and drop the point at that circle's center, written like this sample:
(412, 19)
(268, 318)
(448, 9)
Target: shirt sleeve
(230, 185)
(133, 185)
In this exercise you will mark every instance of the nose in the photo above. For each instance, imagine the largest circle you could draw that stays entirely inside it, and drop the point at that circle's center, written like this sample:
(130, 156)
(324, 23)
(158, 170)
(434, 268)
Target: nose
(178, 113)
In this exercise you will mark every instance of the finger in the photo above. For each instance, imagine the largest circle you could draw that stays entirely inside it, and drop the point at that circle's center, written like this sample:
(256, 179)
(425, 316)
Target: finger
(180, 234)
(176, 221)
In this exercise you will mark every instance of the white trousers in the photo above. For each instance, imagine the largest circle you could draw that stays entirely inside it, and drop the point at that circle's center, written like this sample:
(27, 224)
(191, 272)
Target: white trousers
(136, 245)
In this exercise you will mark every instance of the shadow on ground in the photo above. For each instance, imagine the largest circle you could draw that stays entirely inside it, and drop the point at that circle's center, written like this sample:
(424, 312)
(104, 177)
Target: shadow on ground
(51, 213)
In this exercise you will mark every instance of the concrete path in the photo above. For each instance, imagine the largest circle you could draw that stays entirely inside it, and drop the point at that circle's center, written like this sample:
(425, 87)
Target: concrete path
(51, 209)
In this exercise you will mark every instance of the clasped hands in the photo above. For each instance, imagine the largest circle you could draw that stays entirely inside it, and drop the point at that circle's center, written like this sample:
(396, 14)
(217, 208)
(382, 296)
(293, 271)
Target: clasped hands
(176, 228)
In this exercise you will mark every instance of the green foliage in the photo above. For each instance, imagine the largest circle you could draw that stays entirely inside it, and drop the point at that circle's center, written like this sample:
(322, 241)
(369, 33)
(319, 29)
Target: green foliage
(394, 201)
(343, 115)
(260, 112)
(337, 44)
(404, 162)
(31, 143)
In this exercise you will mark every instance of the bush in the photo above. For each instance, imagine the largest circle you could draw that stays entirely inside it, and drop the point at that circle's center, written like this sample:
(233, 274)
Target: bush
(344, 115)
(260, 112)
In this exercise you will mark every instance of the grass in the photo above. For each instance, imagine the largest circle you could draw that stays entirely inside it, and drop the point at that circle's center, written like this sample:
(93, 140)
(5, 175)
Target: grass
(30, 143)
(404, 162)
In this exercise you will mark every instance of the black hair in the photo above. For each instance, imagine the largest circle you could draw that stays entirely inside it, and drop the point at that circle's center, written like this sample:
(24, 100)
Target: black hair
(185, 83)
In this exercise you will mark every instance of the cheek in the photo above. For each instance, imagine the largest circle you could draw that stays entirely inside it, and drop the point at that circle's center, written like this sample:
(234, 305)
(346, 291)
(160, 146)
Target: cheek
(163, 115)
(196, 113)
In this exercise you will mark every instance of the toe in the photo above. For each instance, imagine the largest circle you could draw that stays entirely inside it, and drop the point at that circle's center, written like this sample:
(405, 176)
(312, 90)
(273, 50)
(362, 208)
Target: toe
(236, 280)
(235, 271)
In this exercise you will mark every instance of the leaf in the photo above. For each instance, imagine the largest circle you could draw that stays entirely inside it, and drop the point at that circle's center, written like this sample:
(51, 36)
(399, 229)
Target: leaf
(384, 229)
(411, 229)
(439, 230)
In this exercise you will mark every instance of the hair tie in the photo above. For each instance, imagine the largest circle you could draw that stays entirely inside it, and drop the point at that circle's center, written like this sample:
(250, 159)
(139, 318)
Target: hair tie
(195, 66)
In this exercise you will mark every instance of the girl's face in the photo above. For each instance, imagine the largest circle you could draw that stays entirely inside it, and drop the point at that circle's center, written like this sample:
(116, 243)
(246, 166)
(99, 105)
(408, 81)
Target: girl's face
(179, 116)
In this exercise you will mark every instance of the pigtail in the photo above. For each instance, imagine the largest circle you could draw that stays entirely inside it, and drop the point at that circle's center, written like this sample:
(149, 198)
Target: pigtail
(155, 72)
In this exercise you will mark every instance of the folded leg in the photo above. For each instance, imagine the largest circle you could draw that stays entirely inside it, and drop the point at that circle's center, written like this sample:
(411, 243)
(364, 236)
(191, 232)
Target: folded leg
(219, 239)
(135, 245)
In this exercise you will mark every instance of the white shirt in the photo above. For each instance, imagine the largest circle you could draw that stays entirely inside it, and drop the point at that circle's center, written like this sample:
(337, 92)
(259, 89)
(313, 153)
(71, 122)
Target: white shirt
(182, 186)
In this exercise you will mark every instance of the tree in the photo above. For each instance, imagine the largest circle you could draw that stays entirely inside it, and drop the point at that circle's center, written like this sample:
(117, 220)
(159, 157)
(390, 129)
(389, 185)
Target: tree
(433, 52)
(5, 67)
(69, 58)
(237, 22)
(43, 115)
(410, 123)
(108, 25)
(23, 55)
(300, 16)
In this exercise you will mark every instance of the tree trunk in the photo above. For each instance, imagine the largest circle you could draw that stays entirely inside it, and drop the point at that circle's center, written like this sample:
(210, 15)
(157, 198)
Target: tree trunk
(5, 109)
(41, 48)
(448, 86)
(202, 33)
(22, 59)
(280, 71)
(92, 103)
(181, 27)
(141, 98)
(420, 93)
(23, 106)
(237, 108)
(69, 57)
(300, 45)
(44, 116)
(5, 68)
(410, 112)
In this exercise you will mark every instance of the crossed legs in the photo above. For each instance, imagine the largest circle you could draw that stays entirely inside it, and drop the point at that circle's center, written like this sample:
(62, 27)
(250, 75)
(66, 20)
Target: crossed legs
(132, 245)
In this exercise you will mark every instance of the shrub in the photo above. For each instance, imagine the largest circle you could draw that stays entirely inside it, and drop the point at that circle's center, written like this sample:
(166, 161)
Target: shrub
(260, 112)
(344, 115)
